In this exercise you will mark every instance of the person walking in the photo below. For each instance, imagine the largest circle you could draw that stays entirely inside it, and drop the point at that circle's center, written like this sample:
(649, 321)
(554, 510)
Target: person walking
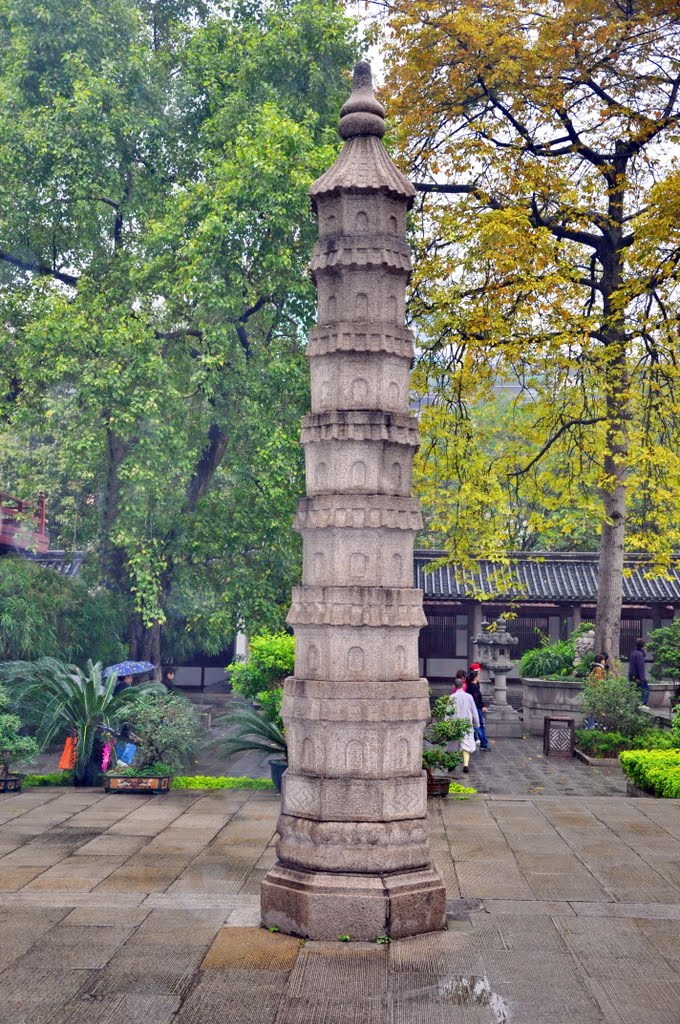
(463, 706)
(475, 691)
(637, 669)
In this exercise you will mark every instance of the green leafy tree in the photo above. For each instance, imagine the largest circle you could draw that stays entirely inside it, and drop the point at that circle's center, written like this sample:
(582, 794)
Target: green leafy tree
(543, 138)
(154, 234)
(43, 614)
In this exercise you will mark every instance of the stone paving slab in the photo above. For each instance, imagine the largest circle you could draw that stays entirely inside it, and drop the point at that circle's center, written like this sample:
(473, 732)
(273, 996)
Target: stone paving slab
(144, 910)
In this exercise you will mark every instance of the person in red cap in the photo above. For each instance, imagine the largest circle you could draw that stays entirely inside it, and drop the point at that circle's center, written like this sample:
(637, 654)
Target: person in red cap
(475, 691)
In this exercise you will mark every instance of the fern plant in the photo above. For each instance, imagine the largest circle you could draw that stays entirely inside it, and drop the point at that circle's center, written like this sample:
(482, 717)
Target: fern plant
(254, 731)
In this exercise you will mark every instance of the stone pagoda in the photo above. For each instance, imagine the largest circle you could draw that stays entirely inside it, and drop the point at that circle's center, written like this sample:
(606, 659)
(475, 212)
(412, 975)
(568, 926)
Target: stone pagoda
(353, 848)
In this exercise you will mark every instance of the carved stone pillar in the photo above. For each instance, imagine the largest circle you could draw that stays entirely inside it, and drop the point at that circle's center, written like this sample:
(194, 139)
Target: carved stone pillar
(353, 850)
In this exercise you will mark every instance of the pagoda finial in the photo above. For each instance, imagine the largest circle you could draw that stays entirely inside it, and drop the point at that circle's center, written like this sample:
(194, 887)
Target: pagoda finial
(362, 114)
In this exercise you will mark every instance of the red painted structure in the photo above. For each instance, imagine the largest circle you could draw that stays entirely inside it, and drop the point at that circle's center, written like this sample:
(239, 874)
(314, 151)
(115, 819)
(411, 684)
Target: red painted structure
(23, 525)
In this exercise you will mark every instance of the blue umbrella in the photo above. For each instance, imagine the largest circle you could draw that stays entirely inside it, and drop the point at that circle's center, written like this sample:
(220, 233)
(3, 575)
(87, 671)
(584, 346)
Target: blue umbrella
(128, 668)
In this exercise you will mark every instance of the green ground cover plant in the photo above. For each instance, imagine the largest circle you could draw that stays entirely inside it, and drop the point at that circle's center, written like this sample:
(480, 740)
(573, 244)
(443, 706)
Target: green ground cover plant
(655, 771)
(456, 789)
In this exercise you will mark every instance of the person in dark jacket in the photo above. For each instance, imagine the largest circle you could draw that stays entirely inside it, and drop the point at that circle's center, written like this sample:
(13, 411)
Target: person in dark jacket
(475, 691)
(637, 670)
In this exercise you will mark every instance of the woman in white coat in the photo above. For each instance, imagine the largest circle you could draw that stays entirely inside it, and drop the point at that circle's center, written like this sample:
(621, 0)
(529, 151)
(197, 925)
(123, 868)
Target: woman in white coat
(463, 706)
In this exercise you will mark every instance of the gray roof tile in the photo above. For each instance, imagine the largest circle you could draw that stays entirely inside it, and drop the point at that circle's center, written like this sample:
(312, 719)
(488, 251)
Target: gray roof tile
(541, 577)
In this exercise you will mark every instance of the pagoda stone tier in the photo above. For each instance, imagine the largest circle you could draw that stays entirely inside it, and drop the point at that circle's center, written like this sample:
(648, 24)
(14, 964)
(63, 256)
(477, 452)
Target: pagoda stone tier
(353, 848)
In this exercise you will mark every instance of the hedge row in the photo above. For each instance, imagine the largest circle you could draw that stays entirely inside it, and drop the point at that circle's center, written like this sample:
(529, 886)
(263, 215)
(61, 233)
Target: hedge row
(656, 771)
(179, 782)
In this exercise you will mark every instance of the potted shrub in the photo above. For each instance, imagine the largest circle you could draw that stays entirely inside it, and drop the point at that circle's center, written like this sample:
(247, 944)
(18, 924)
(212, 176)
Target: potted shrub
(165, 729)
(443, 730)
(65, 700)
(13, 747)
(260, 728)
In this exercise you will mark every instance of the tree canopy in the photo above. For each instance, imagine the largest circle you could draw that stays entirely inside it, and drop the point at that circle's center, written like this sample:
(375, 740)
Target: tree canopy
(543, 138)
(155, 159)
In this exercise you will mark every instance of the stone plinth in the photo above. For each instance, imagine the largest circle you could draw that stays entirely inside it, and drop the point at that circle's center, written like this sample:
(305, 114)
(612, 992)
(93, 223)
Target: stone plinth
(353, 847)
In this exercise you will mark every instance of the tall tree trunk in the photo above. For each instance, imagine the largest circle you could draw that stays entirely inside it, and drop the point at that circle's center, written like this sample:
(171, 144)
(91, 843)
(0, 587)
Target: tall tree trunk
(617, 405)
(112, 556)
(145, 643)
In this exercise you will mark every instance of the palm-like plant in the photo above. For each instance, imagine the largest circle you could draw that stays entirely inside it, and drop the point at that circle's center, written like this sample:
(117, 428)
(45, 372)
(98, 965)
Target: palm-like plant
(68, 700)
(254, 731)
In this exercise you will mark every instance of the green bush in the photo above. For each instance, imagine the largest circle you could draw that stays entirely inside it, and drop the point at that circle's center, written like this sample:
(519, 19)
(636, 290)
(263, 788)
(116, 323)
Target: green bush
(614, 705)
(655, 771)
(550, 659)
(13, 746)
(597, 743)
(664, 644)
(166, 728)
(270, 702)
(271, 657)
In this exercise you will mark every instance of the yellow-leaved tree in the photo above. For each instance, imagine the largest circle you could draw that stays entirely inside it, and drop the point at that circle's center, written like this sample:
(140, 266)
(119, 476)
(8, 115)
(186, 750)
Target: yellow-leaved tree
(543, 136)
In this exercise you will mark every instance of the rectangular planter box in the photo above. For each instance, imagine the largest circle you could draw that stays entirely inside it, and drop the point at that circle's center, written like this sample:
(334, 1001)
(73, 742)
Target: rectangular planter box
(11, 784)
(597, 762)
(137, 783)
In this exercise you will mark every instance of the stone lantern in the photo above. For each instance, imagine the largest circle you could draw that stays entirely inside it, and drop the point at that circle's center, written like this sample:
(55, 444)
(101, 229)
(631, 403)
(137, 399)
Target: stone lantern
(493, 647)
(353, 845)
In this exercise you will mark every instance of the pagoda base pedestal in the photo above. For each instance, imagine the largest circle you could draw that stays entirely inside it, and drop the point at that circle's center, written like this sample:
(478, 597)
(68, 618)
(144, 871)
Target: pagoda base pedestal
(503, 722)
(324, 906)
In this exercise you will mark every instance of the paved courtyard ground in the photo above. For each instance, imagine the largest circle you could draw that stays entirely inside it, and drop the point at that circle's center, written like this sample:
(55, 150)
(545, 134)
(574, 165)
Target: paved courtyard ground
(144, 910)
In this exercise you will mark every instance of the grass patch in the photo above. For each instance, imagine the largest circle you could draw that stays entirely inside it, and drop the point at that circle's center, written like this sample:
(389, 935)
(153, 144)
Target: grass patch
(179, 782)
(49, 779)
(220, 782)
